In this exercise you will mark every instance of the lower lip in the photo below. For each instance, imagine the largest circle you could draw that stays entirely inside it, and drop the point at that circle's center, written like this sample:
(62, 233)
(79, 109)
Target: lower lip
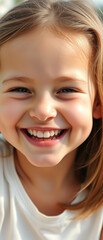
(45, 143)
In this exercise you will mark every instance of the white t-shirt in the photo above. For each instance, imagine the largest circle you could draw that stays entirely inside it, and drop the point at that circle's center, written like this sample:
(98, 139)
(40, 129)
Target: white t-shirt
(21, 220)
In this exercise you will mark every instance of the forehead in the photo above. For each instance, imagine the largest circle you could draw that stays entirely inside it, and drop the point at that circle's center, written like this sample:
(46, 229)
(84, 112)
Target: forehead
(43, 37)
(41, 48)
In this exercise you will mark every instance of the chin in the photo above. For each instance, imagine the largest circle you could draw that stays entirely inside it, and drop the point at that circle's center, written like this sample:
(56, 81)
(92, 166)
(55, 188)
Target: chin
(43, 161)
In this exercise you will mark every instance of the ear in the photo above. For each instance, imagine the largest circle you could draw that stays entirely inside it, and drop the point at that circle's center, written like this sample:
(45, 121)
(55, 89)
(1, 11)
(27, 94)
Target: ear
(97, 108)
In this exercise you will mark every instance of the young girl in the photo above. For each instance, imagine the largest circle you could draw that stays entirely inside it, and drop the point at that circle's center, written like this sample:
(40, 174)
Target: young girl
(51, 121)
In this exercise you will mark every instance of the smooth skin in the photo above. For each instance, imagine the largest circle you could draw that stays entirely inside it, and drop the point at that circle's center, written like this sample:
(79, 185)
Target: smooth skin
(46, 84)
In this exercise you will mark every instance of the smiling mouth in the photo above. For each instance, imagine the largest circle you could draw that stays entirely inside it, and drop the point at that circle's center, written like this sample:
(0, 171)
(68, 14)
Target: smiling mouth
(44, 135)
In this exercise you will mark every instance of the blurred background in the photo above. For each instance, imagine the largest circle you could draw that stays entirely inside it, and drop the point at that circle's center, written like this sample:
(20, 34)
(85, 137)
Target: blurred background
(5, 5)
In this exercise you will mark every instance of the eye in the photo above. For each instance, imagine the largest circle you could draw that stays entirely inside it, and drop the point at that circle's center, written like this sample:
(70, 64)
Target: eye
(20, 90)
(67, 90)
(67, 93)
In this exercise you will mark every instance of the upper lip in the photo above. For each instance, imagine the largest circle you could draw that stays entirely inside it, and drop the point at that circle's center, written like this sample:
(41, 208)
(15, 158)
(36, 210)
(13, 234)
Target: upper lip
(45, 128)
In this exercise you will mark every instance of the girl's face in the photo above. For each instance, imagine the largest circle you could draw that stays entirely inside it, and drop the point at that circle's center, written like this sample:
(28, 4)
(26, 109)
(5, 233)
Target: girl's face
(46, 95)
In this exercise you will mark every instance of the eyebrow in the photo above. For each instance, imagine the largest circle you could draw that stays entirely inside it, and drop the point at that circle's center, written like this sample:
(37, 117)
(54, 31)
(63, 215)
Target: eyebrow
(70, 78)
(17, 78)
(61, 79)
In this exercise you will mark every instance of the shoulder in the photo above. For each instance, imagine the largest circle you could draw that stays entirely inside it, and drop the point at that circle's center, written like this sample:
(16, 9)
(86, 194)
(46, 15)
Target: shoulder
(95, 219)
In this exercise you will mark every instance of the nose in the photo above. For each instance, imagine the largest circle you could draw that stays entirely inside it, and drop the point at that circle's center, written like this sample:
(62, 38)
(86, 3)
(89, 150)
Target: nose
(43, 109)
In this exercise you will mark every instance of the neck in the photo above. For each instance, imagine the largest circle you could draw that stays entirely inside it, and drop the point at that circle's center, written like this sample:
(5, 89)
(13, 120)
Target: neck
(53, 177)
(50, 185)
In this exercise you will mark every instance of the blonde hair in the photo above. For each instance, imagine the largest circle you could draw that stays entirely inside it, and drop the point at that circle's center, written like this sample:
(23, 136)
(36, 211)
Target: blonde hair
(63, 17)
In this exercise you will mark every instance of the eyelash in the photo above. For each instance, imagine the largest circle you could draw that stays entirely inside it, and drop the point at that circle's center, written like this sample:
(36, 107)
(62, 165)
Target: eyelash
(20, 89)
(67, 90)
(63, 93)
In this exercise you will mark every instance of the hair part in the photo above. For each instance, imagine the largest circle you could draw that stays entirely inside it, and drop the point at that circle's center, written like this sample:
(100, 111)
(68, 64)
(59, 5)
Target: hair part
(63, 17)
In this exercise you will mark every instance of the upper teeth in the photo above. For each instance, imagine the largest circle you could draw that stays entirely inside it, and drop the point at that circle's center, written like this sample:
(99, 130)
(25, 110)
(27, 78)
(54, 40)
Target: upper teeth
(44, 134)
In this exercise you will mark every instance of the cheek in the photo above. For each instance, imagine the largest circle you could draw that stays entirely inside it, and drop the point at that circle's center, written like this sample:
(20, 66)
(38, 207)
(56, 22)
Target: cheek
(79, 117)
(10, 112)
(79, 114)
